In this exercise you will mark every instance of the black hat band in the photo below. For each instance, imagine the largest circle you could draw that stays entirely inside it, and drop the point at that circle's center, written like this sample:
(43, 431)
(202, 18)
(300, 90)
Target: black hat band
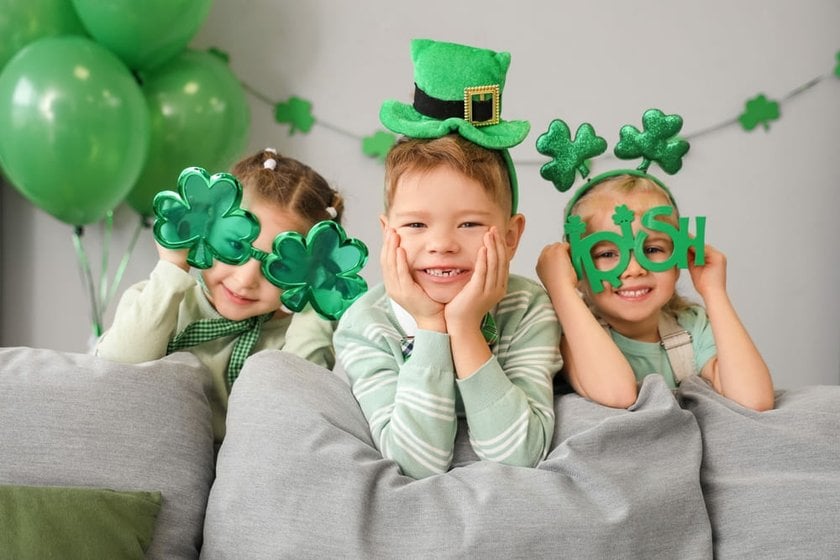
(475, 108)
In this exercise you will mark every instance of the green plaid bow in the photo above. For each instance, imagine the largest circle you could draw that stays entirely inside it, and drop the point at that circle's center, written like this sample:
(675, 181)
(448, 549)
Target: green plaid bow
(205, 330)
(488, 329)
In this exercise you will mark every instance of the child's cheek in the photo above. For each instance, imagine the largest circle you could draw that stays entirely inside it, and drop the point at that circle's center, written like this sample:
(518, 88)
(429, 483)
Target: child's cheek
(409, 247)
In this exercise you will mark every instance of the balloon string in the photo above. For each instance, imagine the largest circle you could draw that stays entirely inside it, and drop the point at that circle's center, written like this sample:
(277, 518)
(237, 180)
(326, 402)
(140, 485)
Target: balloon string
(141, 223)
(87, 279)
(107, 228)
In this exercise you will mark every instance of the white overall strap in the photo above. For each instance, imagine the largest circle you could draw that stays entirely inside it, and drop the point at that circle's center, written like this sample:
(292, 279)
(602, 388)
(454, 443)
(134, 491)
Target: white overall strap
(677, 344)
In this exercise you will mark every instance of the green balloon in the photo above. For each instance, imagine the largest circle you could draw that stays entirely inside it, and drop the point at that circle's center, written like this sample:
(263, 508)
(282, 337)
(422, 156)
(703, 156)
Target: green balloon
(75, 127)
(22, 22)
(199, 117)
(143, 33)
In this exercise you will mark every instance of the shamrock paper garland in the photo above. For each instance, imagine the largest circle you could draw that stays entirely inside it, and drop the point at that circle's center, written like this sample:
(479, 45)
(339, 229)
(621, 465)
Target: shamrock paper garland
(205, 218)
(759, 111)
(297, 113)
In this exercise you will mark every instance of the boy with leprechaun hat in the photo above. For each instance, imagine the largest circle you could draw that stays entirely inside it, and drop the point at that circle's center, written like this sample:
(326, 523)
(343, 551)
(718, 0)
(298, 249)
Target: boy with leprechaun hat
(450, 338)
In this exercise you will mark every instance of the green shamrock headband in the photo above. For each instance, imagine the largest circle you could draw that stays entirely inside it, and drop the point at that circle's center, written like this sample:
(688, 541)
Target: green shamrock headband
(205, 217)
(657, 142)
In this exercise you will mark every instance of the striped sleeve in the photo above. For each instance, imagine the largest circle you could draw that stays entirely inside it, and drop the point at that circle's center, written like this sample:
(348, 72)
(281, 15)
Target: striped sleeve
(409, 405)
(509, 400)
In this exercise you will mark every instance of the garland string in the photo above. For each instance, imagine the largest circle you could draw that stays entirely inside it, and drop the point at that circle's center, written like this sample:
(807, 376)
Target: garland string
(296, 113)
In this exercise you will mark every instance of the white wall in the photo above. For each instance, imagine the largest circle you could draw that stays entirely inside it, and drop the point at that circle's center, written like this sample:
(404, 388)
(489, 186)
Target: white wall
(770, 197)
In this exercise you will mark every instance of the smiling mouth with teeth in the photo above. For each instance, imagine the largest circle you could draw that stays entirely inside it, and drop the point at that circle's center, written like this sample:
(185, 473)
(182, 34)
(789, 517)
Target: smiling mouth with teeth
(633, 293)
(443, 273)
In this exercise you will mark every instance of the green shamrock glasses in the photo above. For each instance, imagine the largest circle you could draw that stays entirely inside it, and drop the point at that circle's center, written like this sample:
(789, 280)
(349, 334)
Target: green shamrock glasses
(206, 218)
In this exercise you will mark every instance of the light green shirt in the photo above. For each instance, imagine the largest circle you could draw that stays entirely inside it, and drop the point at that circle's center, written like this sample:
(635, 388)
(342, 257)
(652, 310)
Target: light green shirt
(412, 405)
(650, 357)
(152, 312)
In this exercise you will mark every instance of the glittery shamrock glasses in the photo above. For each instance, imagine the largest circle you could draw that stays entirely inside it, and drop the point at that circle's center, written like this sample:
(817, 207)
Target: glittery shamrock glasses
(657, 142)
(206, 218)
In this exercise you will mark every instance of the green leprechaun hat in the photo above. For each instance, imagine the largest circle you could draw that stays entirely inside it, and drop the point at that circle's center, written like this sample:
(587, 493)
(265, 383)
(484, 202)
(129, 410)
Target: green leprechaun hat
(458, 89)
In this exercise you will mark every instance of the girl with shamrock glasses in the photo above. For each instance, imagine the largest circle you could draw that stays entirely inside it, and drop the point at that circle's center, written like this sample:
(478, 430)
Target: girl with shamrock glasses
(249, 258)
(613, 281)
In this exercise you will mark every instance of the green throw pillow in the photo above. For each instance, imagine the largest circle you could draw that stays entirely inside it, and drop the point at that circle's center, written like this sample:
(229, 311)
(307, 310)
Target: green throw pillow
(68, 523)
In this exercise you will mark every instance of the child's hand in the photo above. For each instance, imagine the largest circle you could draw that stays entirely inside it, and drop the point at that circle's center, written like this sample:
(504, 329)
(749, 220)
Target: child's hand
(178, 257)
(555, 270)
(486, 287)
(710, 277)
(402, 288)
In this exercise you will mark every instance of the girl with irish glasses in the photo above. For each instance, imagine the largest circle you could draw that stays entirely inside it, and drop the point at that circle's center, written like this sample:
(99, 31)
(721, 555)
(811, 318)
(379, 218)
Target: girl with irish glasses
(613, 280)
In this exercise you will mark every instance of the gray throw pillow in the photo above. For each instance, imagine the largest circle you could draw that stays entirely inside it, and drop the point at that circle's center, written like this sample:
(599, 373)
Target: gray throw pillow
(771, 479)
(78, 420)
(299, 477)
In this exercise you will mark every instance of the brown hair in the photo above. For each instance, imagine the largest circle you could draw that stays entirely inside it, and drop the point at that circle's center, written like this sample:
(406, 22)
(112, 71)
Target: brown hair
(627, 184)
(483, 165)
(290, 184)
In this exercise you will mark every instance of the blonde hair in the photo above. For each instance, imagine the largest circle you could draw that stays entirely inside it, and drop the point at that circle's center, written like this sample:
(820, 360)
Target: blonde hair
(627, 185)
(290, 184)
(485, 166)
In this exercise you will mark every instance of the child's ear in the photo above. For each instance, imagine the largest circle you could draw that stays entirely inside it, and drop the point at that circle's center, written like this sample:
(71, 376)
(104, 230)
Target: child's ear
(515, 229)
(383, 223)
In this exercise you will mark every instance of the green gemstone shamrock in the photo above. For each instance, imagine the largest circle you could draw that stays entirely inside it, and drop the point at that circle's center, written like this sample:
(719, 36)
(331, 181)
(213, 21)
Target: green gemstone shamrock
(204, 216)
(570, 156)
(656, 143)
(378, 144)
(297, 112)
(321, 269)
(759, 111)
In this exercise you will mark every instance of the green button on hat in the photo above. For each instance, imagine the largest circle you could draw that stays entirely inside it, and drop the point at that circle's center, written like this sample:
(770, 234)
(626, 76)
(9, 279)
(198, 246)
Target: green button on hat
(458, 89)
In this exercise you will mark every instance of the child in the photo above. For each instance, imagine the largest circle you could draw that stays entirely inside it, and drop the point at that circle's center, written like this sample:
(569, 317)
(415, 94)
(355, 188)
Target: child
(618, 333)
(153, 315)
(450, 333)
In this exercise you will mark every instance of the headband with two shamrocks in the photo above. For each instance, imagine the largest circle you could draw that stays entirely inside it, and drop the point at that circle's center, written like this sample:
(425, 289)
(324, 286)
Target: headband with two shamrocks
(205, 217)
(657, 142)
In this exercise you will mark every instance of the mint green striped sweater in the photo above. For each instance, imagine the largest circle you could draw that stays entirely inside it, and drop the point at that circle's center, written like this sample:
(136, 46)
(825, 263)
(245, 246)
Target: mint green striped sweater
(413, 404)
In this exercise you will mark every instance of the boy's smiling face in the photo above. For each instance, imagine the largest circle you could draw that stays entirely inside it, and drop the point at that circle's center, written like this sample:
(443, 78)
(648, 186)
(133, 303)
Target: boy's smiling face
(441, 216)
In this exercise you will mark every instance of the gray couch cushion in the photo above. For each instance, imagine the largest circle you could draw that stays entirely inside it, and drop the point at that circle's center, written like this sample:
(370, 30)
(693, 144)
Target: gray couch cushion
(298, 477)
(78, 420)
(771, 479)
